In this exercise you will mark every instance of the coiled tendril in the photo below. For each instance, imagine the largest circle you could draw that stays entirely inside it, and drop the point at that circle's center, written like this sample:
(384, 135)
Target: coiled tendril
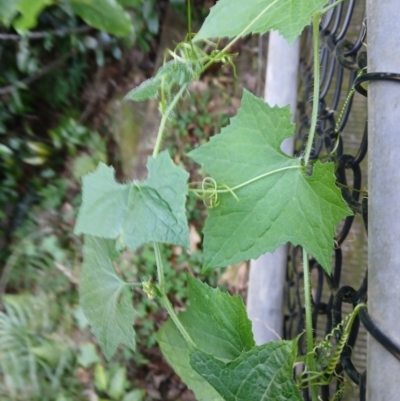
(209, 195)
(209, 192)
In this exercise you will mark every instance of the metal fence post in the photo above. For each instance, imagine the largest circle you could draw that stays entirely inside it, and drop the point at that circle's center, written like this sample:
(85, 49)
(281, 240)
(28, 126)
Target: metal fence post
(383, 369)
(267, 273)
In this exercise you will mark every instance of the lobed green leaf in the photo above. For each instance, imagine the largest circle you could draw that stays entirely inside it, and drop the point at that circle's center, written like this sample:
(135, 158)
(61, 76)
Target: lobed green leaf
(231, 18)
(262, 374)
(138, 212)
(286, 206)
(105, 298)
(217, 323)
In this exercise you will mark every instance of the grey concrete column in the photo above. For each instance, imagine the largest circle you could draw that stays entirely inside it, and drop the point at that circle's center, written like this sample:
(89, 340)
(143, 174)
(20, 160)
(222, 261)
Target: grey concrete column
(267, 273)
(383, 370)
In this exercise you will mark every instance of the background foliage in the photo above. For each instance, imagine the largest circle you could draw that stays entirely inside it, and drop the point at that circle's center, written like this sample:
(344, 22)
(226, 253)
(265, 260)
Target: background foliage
(53, 53)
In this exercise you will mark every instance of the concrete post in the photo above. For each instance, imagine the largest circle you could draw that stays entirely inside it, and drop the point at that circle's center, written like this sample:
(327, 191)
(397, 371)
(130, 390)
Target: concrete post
(383, 370)
(267, 273)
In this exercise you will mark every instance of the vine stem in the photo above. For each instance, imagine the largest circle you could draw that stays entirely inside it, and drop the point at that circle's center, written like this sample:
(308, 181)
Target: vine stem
(310, 140)
(160, 268)
(165, 117)
(306, 267)
(189, 18)
(164, 298)
(175, 319)
(309, 326)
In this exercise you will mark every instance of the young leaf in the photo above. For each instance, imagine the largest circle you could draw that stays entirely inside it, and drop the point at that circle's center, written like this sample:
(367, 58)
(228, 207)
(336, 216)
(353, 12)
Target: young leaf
(142, 212)
(262, 374)
(284, 206)
(30, 11)
(231, 18)
(105, 15)
(217, 323)
(172, 74)
(145, 91)
(105, 298)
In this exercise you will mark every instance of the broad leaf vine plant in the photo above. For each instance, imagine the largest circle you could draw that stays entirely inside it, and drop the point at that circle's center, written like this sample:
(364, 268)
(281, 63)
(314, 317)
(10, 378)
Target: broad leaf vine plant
(258, 198)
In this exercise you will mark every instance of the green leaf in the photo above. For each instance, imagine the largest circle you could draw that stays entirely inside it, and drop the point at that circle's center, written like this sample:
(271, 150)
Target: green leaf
(231, 18)
(145, 91)
(49, 352)
(130, 3)
(285, 206)
(134, 395)
(118, 383)
(105, 298)
(5, 150)
(30, 11)
(265, 373)
(105, 15)
(8, 10)
(100, 378)
(217, 323)
(172, 74)
(142, 212)
(87, 355)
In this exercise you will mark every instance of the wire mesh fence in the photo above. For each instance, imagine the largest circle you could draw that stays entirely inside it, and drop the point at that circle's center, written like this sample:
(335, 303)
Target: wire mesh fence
(342, 133)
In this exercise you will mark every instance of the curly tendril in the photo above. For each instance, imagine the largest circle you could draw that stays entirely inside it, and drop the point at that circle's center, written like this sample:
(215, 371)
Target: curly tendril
(209, 192)
(209, 195)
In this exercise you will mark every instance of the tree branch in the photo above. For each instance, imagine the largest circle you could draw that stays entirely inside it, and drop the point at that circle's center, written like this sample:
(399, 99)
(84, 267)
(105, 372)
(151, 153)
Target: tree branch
(42, 35)
(45, 70)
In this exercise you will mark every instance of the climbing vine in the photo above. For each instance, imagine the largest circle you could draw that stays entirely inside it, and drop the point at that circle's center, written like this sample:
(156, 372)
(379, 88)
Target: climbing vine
(257, 197)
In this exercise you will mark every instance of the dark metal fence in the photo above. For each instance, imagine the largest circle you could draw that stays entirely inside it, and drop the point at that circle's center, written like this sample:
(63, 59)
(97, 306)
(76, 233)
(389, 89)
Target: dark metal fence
(343, 61)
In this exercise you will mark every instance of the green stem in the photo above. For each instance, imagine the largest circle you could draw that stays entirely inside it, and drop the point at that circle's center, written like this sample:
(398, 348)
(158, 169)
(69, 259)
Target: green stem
(309, 327)
(160, 268)
(310, 140)
(165, 117)
(164, 298)
(175, 319)
(189, 18)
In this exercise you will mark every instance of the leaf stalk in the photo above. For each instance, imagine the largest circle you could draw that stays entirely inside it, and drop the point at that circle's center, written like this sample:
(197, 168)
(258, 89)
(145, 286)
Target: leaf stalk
(227, 189)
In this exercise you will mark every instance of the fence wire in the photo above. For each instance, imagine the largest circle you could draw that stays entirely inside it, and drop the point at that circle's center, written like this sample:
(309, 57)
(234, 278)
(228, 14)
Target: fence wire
(342, 58)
